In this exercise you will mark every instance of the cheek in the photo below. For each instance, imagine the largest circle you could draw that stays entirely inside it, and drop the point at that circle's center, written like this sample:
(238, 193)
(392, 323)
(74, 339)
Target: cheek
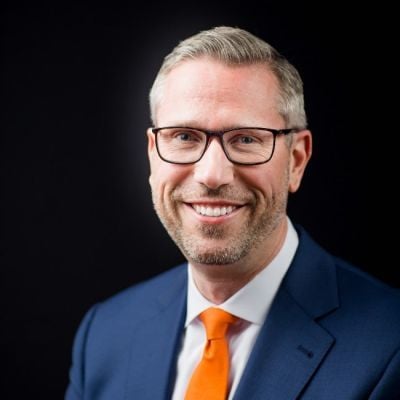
(267, 180)
(165, 177)
(259, 179)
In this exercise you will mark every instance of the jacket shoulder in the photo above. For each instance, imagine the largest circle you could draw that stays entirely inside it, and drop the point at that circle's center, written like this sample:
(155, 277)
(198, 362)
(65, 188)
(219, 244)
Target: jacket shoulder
(144, 294)
(367, 293)
(336, 281)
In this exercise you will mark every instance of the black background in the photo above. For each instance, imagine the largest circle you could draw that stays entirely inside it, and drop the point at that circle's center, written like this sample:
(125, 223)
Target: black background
(76, 217)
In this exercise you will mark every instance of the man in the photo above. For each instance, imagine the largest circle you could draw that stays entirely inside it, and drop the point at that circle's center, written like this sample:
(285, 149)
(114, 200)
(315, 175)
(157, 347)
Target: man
(230, 142)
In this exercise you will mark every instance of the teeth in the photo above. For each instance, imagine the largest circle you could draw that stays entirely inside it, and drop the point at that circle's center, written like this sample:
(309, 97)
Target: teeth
(213, 211)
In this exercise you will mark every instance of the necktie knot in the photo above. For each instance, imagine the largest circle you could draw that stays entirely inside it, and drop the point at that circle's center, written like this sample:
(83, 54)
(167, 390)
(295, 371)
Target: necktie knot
(216, 322)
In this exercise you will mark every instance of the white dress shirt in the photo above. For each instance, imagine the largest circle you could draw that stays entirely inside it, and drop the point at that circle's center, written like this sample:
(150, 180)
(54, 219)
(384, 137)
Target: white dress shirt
(251, 304)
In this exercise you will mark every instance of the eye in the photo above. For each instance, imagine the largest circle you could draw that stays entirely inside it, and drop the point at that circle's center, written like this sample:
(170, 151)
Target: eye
(185, 136)
(246, 139)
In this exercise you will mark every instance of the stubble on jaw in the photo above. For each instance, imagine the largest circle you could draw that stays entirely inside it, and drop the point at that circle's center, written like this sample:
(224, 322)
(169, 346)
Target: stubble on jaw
(250, 236)
(254, 232)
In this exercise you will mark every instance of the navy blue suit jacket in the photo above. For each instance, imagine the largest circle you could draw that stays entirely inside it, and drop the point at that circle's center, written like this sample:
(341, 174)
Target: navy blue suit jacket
(332, 333)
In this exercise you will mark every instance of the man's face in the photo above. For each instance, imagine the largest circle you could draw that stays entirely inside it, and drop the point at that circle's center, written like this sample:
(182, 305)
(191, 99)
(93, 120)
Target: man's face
(250, 201)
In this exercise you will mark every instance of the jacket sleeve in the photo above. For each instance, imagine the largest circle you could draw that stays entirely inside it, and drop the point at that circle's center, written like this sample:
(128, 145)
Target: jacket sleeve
(388, 387)
(75, 390)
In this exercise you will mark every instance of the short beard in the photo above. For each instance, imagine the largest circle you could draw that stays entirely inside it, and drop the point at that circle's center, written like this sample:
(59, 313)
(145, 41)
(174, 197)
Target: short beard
(216, 256)
(249, 238)
(252, 235)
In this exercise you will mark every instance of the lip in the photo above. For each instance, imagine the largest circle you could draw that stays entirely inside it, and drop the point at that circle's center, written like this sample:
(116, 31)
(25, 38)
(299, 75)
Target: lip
(213, 220)
(214, 202)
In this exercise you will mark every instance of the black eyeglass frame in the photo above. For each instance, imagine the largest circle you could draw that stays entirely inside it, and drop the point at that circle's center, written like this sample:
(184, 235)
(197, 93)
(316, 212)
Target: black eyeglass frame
(219, 134)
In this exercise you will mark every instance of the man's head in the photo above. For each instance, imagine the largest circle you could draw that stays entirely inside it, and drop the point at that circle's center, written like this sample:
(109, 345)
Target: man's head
(218, 211)
(237, 47)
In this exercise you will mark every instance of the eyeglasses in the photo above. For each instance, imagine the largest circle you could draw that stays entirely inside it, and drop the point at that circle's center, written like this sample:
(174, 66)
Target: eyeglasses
(243, 146)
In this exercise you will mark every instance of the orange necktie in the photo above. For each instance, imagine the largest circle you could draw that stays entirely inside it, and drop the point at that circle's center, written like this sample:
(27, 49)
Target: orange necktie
(210, 379)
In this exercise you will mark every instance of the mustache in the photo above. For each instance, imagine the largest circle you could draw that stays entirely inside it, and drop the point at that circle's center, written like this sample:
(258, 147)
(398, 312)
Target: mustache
(228, 193)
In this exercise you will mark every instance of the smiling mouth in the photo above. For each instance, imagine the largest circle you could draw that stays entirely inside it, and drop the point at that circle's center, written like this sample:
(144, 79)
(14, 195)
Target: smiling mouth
(213, 211)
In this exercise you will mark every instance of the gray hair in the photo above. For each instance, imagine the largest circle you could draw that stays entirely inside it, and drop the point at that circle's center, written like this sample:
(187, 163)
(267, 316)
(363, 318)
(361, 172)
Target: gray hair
(234, 46)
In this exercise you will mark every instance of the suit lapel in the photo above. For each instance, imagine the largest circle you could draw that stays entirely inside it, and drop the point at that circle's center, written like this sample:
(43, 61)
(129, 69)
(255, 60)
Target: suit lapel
(291, 344)
(287, 352)
(156, 342)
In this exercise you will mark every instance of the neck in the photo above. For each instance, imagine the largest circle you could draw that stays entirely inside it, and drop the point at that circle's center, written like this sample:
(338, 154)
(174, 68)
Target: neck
(217, 283)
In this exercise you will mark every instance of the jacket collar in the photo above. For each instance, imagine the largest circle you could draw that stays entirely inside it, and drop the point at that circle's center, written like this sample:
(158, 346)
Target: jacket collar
(291, 344)
(311, 279)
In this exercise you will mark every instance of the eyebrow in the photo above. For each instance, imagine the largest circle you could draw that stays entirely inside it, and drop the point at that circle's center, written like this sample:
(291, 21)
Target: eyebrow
(195, 125)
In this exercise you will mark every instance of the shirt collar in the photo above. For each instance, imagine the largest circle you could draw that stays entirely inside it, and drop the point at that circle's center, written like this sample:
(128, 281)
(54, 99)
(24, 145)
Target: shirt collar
(252, 301)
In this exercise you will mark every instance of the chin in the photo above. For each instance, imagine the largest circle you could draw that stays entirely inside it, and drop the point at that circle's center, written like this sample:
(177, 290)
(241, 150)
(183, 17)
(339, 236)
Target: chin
(216, 256)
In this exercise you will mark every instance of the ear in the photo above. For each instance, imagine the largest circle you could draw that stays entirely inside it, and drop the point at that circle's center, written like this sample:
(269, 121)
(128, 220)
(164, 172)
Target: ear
(300, 153)
(151, 145)
(151, 141)
(151, 148)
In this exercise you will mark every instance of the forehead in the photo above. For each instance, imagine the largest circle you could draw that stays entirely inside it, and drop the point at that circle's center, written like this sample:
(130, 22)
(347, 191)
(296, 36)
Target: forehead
(208, 89)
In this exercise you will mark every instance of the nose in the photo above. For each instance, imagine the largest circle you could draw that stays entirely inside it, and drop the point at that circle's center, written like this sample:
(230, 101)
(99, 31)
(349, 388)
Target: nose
(214, 169)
